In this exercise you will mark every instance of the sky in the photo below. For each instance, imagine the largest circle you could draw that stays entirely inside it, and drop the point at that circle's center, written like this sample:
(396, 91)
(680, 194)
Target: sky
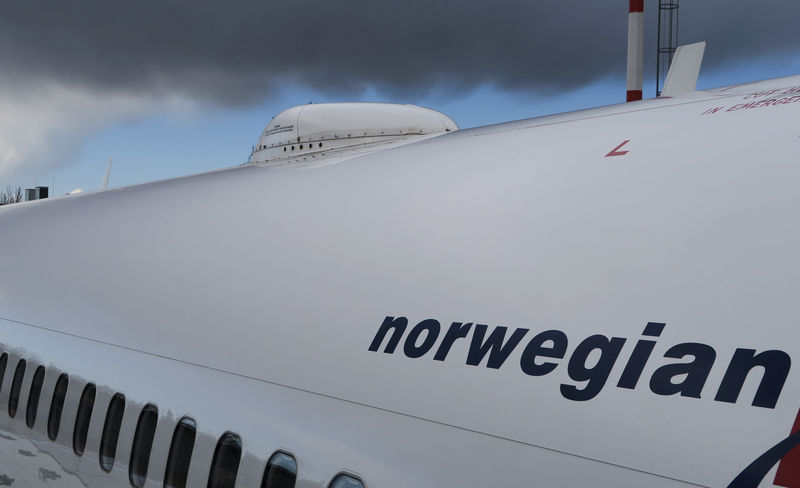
(172, 87)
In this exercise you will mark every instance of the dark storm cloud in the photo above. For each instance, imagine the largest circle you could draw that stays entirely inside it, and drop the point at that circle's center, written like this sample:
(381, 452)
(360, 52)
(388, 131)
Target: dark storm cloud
(236, 51)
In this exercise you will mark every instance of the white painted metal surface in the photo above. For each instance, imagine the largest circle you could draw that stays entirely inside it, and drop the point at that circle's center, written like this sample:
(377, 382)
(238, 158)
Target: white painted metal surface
(684, 70)
(321, 131)
(248, 299)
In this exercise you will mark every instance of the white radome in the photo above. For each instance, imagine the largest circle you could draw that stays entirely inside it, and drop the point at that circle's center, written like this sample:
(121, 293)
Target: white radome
(332, 128)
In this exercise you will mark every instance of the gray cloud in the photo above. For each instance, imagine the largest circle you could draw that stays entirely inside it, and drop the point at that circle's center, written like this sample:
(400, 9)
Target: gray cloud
(235, 52)
(70, 68)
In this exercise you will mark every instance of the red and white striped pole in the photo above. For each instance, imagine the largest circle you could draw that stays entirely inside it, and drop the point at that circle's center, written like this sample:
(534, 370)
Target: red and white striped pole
(635, 49)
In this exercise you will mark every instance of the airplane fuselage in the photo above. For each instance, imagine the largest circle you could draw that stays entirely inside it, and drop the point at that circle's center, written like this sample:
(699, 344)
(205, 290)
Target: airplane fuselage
(600, 298)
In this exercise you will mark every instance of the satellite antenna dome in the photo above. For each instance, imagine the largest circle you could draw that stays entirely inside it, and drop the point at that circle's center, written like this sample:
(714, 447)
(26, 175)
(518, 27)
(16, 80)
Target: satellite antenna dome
(332, 128)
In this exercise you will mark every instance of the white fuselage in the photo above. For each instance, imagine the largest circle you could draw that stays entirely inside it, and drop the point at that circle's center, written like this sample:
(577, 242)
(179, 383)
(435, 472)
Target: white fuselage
(248, 299)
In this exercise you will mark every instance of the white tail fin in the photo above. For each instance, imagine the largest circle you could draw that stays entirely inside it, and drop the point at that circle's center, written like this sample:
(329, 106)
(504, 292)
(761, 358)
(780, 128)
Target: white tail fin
(108, 173)
(684, 70)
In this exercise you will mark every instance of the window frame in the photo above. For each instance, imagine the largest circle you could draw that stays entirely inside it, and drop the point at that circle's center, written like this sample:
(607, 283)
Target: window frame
(266, 468)
(348, 474)
(57, 408)
(138, 479)
(16, 387)
(170, 470)
(214, 478)
(109, 439)
(3, 364)
(79, 432)
(34, 396)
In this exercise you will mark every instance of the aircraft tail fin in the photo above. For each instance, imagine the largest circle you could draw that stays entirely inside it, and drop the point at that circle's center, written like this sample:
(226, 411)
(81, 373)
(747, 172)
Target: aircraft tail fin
(108, 173)
(684, 70)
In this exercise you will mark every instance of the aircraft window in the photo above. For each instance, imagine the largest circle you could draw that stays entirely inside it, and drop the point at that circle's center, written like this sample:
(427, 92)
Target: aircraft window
(82, 419)
(301, 146)
(180, 454)
(226, 461)
(345, 481)
(320, 144)
(281, 471)
(142, 444)
(16, 386)
(57, 406)
(284, 149)
(33, 397)
(108, 443)
(3, 362)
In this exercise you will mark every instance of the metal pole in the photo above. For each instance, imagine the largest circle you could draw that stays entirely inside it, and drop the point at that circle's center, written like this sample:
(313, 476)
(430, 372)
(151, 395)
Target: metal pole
(635, 50)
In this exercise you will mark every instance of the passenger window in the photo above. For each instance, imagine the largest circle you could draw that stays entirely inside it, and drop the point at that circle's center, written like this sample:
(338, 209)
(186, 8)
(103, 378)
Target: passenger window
(180, 454)
(82, 419)
(3, 362)
(33, 397)
(142, 444)
(16, 386)
(225, 465)
(57, 406)
(345, 481)
(108, 443)
(281, 471)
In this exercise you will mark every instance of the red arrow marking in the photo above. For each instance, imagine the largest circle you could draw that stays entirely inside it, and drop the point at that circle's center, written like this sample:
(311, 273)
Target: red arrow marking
(616, 151)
